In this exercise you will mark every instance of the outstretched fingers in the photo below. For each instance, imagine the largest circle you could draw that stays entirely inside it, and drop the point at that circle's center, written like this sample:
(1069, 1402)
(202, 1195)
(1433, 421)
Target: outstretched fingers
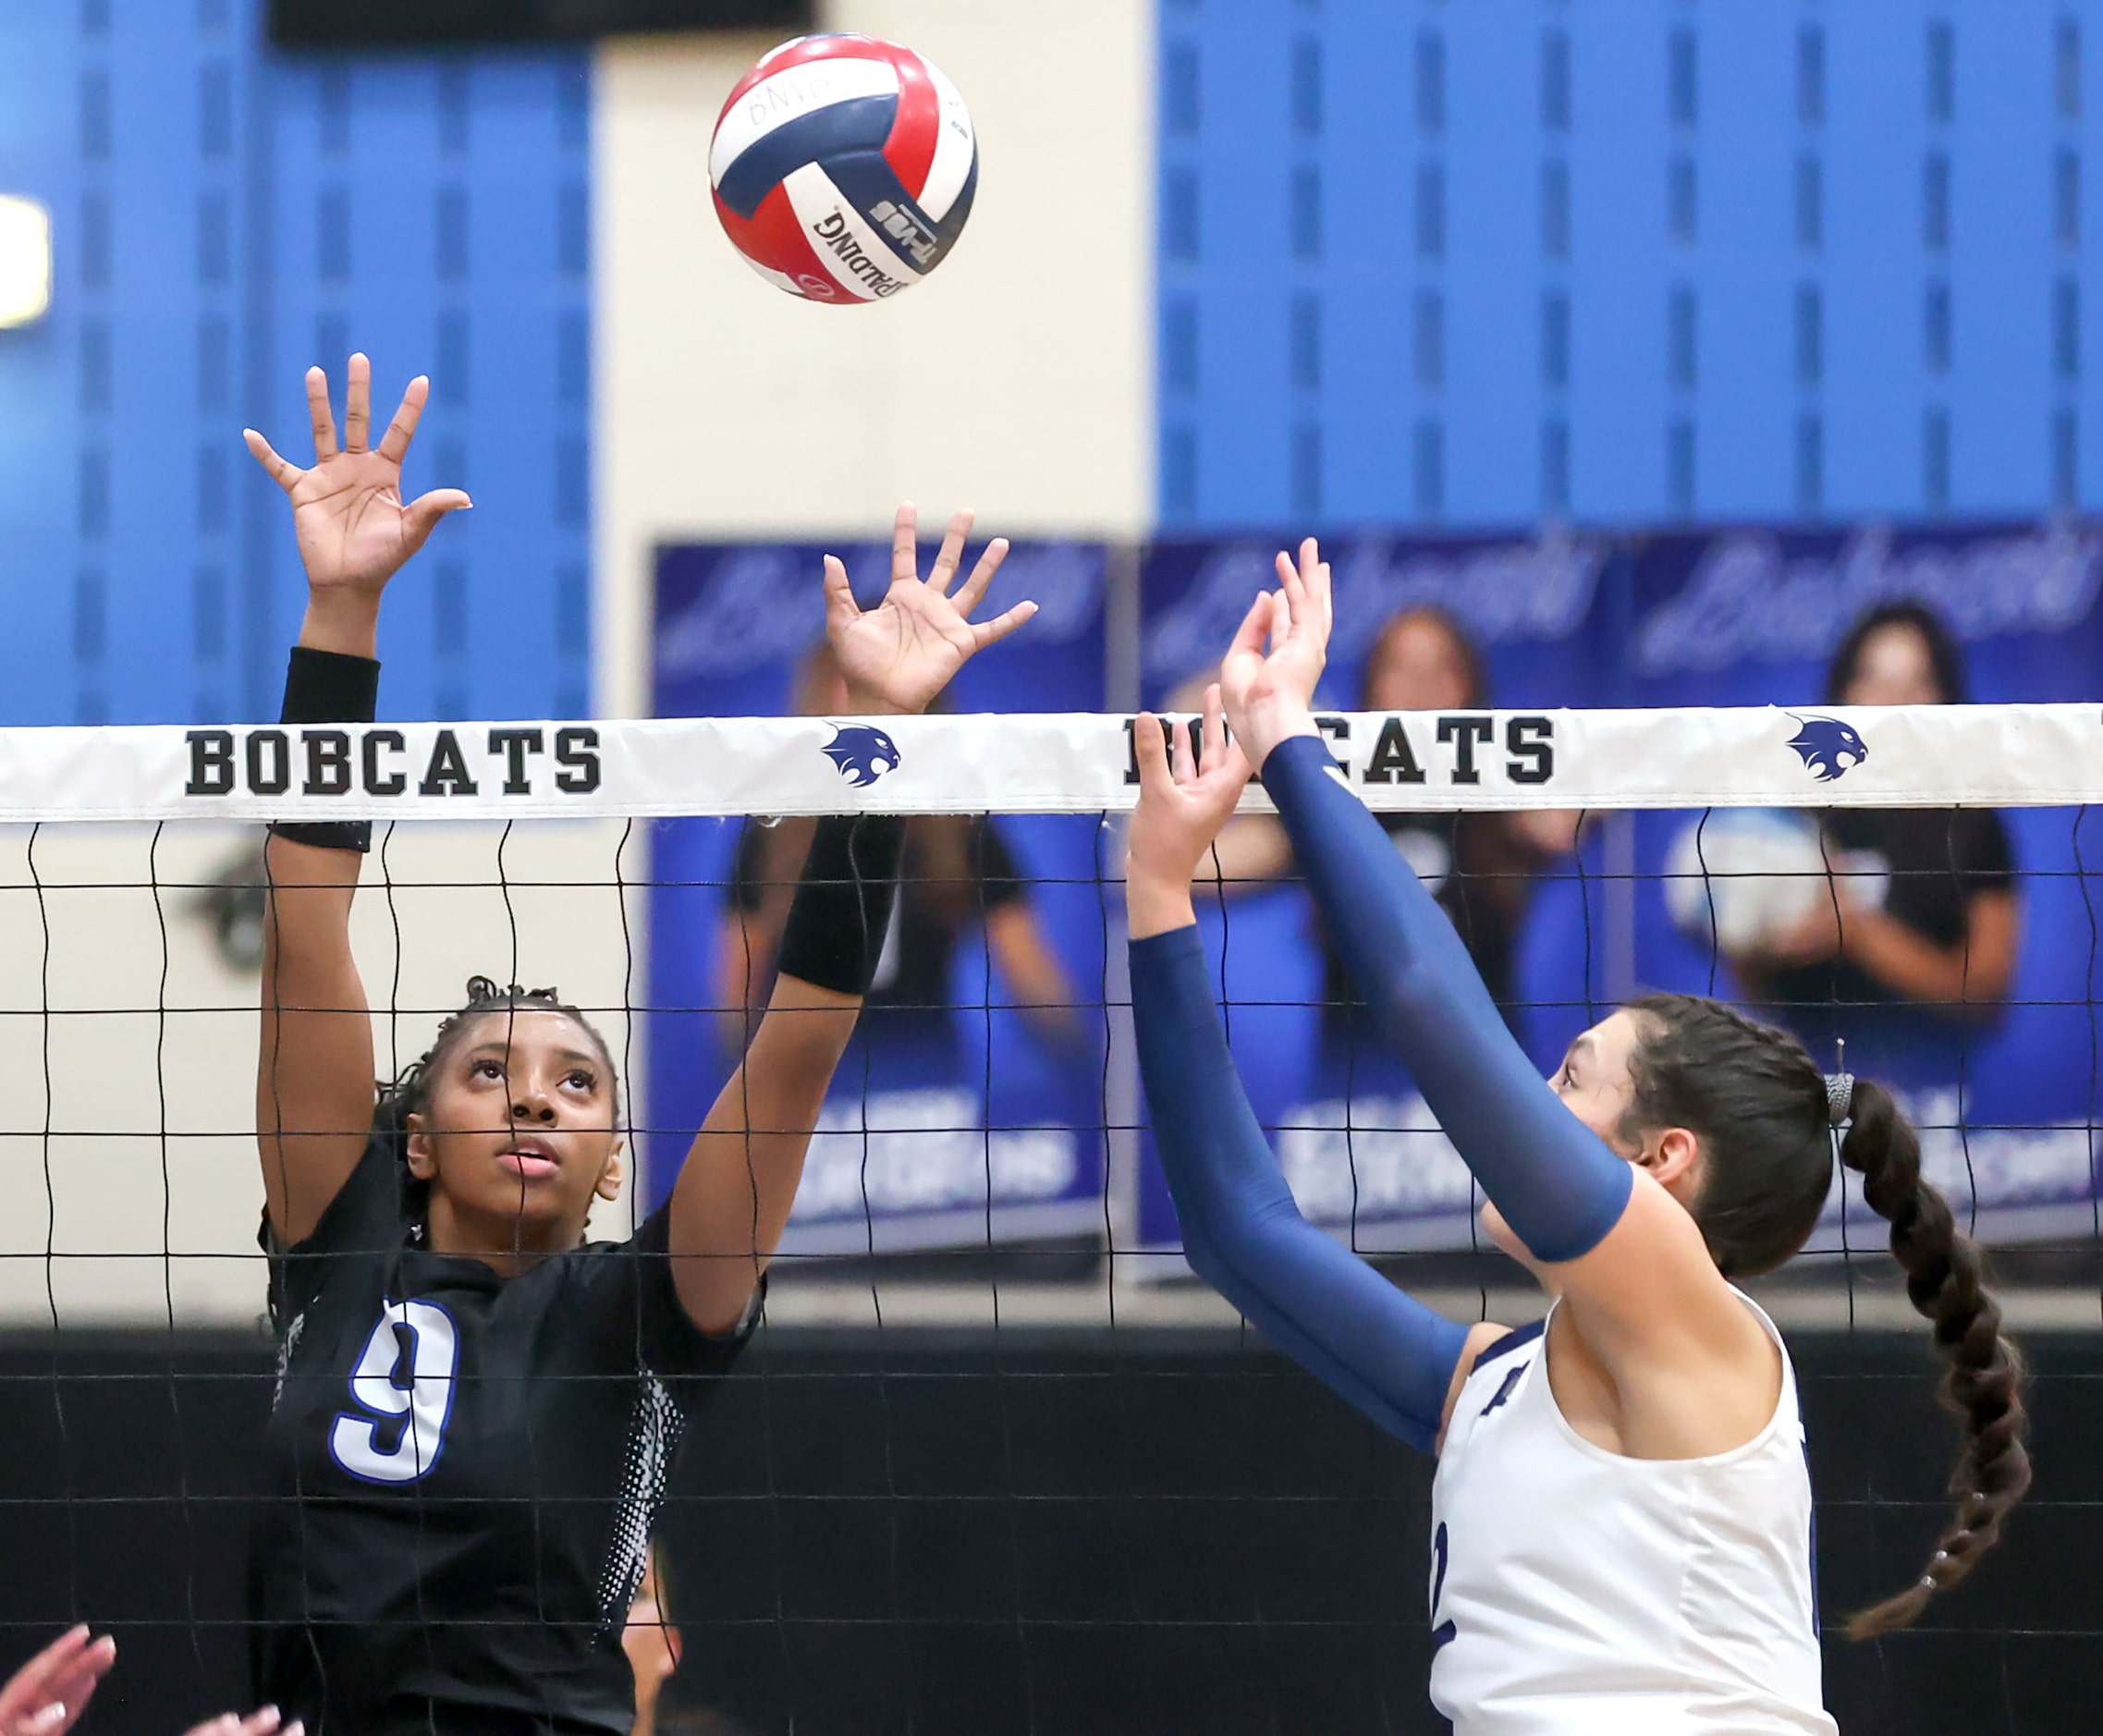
(1288, 574)
(1306, 588)
(320, 415)
(1292, 591)
(357, 402)
(974, 587)
(1150, 743)
(47, 1694)
(841, 610)
(950, 556)
(286, 475)
(74, 1681)
(984, 634)
(1181, 761)
(1256, 626)
(420, 517)
(905, 545)
(393, 444)
(1314, 578)
(1214, 753)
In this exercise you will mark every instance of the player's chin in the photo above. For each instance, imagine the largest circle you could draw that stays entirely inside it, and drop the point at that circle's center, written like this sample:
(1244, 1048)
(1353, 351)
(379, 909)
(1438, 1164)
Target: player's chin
(528, 1186)
(532, 1204)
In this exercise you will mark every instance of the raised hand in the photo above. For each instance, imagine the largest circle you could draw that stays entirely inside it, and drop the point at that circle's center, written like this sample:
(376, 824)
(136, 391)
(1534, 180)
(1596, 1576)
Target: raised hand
(898, 655)
(1183, 801)
(46, 1696)
(1268, 676)
(49, 1692)
(354, 529)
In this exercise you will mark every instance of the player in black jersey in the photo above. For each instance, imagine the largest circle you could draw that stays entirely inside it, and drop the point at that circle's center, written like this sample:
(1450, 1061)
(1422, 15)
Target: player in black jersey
(476, 1410)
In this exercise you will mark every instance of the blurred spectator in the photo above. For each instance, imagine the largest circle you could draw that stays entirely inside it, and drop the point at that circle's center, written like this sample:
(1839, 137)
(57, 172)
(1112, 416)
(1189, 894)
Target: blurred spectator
(1479, 864)
(958, 874)
(1924, 911)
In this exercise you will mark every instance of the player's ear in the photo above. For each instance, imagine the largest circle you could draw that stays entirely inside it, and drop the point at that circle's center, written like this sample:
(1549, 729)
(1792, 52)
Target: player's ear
(1670, 1155)
(422, 1162)
(609, 1185)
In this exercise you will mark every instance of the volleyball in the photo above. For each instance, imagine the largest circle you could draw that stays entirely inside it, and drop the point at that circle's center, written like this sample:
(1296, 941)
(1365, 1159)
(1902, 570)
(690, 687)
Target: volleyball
(1747, 876)
(843, 167)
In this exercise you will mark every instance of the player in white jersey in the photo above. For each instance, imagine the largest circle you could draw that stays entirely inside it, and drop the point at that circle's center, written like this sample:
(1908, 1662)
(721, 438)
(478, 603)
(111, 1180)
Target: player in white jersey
(1621, 1538)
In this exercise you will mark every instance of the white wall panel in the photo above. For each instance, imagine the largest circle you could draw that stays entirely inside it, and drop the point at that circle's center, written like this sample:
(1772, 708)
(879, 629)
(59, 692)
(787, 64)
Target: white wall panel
(1016, 380)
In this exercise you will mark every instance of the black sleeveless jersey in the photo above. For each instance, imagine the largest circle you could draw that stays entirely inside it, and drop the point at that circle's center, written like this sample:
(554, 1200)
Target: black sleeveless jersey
(462, 1472)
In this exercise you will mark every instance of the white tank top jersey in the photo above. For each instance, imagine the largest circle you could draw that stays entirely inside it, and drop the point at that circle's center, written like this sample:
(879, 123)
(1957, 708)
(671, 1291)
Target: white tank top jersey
(1575, 1592)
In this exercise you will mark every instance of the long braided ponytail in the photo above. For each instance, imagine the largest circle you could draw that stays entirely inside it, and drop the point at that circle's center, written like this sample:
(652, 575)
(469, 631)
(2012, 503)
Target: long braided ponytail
(1985, 1383)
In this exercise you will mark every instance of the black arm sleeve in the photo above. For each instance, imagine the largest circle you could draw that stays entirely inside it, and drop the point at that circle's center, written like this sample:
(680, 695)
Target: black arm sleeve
(1000, 879)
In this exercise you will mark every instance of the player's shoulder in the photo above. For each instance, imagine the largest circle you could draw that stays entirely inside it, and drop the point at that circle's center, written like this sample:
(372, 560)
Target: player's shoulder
(370, 1211)
(1506, 1341)
(337, 1261)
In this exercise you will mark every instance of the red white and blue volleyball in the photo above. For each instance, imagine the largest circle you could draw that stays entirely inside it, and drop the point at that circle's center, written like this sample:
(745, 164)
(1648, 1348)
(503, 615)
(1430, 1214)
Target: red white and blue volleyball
(843, 167)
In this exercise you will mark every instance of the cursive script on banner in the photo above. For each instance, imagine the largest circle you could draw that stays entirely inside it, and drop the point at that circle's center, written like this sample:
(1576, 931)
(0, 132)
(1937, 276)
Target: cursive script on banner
(1747, 600)
(1539, 588)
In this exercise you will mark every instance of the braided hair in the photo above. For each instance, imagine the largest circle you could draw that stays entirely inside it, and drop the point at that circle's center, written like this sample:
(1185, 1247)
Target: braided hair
(1985, 1380)
(409, 1093)
(1766, 1115)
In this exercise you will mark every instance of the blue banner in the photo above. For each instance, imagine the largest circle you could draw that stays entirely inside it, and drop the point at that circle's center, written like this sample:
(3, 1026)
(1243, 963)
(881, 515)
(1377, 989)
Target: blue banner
(963, 1116)
(1541, 608)
(988, 1118)
(2006, 1095)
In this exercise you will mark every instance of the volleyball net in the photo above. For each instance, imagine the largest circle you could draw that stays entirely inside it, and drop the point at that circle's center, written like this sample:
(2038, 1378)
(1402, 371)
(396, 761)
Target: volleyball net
(990, 1101)
(1049, 1499)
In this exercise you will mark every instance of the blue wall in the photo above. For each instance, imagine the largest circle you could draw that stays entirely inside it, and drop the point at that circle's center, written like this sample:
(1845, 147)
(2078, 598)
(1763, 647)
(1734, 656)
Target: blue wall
(1427, 262)
(224, 217)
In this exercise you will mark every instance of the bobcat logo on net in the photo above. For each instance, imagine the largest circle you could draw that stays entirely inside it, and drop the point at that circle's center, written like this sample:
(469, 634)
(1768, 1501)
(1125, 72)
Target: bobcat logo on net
(377, 762)
(1830, 748)
(862, 753)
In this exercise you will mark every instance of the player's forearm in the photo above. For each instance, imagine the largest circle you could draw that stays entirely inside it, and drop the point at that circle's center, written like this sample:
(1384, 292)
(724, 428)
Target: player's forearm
(1024, 959)
(313, 870)
(306, 918)
(1263, 725)
(732, 1203)
(1156, 902)
(729, 1211)
(344, 622)
(1244, 1234)
(1556, 1182)
(733, 1196)
(1906, 961)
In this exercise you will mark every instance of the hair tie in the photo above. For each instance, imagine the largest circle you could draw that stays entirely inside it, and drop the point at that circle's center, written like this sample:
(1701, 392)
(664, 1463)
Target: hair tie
(1839, 1085)
(1840, 1096)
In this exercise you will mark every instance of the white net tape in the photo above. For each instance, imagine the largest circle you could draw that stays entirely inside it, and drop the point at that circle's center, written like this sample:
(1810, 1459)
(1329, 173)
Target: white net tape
(1901, 756)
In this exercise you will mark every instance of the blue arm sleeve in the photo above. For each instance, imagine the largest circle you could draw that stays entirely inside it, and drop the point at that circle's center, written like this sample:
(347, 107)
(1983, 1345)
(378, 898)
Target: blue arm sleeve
(1312, 1298)
(1558, 1186)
